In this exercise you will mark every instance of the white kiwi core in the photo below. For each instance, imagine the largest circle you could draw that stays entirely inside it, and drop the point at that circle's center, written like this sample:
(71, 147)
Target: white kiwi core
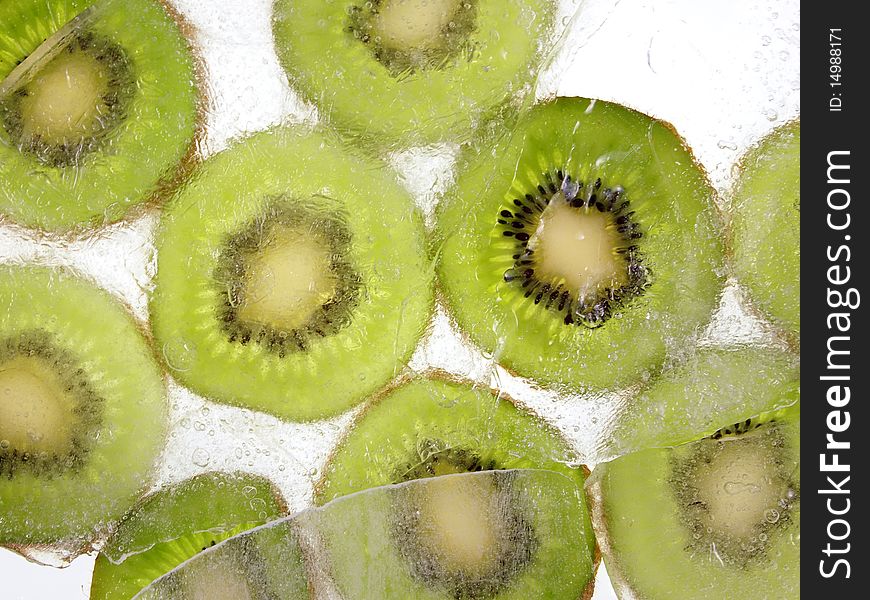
(35, 409)
(414, 24)
(65, 99)
(739, 487)
(459, 523)
(288, 280)
(579, 247)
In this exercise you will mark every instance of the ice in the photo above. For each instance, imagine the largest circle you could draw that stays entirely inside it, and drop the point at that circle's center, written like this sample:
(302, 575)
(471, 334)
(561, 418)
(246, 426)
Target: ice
(717, 76)
(448, 536)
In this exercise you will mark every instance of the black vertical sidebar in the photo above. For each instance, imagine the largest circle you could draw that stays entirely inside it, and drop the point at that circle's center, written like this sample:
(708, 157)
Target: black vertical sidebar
(835, 347)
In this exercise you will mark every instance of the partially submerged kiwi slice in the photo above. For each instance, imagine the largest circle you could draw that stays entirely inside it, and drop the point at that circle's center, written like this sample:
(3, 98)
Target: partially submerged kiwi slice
(98, 107)
(713, 389)
(263, 564)
(429, 428)
(716, 518)
(767, 206)
(515, 534)
(174, 524)
(580, 248)
(283, 260)
(82, 409)
(416, 71)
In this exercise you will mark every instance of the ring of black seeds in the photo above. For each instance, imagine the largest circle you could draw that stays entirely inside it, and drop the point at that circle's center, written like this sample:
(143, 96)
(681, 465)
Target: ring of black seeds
(517, 545)
(121, 89)
(738, 553)
(457, 44)
(88, 408)
(434, 452)
(233, 263)
(520, 220)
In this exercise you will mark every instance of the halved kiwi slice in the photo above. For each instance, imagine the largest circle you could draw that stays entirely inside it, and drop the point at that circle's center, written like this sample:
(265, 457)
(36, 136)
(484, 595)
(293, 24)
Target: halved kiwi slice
(416, 71)
(173, 525)
(98, 107)
(716, 518)
(292, 277)
(263, 564)
(82, 409)
(711, 390)
(582, 247)
(767, 206)
(435, 427)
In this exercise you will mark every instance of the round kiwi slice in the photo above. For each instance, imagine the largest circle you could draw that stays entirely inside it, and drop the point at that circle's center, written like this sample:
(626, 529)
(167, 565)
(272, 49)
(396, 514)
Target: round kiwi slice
(716, 518)
(513, 534)
(82, 409)
(98, 107)
(281, 264)
(582, 247)
(416, 71)
(715, 388)
(430, 428)
(767, 206)
(173, 525)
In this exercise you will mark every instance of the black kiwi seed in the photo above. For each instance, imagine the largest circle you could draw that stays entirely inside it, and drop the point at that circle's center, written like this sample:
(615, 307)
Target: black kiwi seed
(87, 409)
(521, 221)
(438, 458)
(121, 87)
(452, 45)
(231, 269)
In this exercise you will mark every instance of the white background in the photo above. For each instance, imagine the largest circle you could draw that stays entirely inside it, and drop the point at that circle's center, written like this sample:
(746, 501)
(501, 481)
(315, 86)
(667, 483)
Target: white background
(723, 73)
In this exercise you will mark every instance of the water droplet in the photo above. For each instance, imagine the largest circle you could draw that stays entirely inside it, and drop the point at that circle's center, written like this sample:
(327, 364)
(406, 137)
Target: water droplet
(179, 354)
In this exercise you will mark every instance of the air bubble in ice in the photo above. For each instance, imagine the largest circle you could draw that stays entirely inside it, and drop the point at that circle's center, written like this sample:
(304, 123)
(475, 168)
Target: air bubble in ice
(200, 457)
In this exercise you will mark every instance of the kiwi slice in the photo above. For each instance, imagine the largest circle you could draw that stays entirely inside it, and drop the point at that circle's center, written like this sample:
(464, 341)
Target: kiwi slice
(281, 262)
(715, 518)
(414, 71)
(515, 534)
(173, 525)
(713, 389)
(435, 427)
(98, 107)
(582, 247)
(767, 206)
(82, 409)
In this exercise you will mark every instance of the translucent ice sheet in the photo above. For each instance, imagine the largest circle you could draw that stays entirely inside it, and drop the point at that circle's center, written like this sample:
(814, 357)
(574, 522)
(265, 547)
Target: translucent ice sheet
(417, 540)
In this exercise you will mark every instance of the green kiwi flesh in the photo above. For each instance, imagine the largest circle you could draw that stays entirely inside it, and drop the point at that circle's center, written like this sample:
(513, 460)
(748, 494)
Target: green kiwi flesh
(717, 518)
(767, 206)
(263, 564)
(431, 428)
(98, 107)
(714, 388)
(82, 409)
(521, 235)
(413, 71)
(278, 263)
(174, 524)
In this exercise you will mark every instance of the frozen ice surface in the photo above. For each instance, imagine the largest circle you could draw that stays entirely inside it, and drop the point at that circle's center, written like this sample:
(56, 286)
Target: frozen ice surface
(723, 74)
(432, 538)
